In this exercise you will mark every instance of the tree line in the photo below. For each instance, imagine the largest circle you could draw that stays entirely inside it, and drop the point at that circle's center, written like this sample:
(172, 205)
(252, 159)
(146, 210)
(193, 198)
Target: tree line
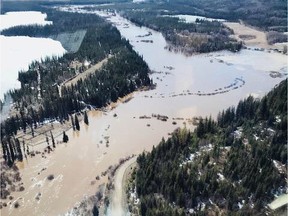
(267, 15)
(224, 166)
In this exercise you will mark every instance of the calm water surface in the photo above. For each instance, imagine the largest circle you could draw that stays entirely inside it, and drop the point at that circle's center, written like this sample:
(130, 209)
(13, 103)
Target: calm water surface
(17, 52)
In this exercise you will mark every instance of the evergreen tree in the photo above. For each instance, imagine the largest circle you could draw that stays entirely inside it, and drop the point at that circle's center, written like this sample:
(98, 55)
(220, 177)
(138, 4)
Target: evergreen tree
(19, 152)
(65, 137)
(95, 211)
(73, 123)
(86, 121)
(4, 150)
(11, 151)
(47, 141)
(32, 130)
(23, 143)
(77, 126)
(201, 128)
(23, 121)
(53, 141)
(48, 145)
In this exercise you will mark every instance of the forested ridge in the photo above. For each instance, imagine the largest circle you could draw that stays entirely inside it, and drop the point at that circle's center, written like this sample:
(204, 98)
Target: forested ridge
(267, 15)
(43, 94)
(264, 14)
(232, 166)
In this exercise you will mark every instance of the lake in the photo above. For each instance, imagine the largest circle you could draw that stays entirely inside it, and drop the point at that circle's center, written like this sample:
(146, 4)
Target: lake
(186, 87)
(192, 18)
(17, 52)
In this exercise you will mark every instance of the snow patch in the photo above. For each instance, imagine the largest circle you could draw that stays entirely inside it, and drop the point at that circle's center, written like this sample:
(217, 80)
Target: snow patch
(221, 177)
(256, 137)
(240, 205)
(278, 119)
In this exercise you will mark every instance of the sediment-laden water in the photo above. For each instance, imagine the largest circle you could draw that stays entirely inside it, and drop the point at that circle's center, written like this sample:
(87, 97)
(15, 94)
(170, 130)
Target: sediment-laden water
(186, 87)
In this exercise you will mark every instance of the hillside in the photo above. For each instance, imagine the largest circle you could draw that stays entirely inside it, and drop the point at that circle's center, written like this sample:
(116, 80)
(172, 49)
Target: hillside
(267, 15)
(232, 166)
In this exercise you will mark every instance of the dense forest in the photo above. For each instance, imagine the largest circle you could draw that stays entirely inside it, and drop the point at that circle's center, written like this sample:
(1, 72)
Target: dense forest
(44, 95)
(232, 166)
(267, 15)
(199, 37)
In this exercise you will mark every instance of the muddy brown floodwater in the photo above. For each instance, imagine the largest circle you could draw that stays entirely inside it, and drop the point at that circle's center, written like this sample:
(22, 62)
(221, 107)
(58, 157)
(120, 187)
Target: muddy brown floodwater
(186, 87)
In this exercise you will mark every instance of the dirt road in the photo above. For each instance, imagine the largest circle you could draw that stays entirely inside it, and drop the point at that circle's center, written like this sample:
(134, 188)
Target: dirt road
(84, 75)
(118, 200)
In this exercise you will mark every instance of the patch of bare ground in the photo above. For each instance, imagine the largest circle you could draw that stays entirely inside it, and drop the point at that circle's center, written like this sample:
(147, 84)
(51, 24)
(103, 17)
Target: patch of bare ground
(248, 35)
(251, 36)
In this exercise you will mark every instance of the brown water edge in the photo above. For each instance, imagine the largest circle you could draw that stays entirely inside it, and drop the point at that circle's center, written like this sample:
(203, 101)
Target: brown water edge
(76, 164)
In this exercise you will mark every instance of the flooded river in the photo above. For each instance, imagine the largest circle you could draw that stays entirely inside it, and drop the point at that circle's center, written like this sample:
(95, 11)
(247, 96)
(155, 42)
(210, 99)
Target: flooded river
(186, 87)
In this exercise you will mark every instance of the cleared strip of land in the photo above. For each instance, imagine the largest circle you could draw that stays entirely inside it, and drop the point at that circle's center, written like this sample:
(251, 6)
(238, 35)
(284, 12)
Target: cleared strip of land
(280, 201)
(71, 41)
(242, 33)
(251, 36)
(86, 73)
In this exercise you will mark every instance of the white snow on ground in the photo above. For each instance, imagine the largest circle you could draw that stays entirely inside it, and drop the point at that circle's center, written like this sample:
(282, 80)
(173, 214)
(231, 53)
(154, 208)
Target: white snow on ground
(221, 177)
(279, 166)
(133, 196)
(271, 131)
(278, 119)
(240, 205)
(192, 156)
(191, 211)
(256, 137)
(238, 133)
(201, 206)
